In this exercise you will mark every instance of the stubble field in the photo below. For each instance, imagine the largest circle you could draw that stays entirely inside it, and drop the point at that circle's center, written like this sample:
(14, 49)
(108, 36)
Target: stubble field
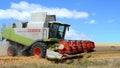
(104, 56)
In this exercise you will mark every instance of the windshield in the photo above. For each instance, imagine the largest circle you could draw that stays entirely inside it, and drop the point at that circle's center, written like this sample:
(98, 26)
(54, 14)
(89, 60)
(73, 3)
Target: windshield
(60, 31)
(57, 31)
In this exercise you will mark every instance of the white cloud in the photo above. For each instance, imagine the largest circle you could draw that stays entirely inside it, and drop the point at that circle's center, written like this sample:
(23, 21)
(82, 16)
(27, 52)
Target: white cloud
(23, 10)
(92, 21)
(76, 35)
(12, 13)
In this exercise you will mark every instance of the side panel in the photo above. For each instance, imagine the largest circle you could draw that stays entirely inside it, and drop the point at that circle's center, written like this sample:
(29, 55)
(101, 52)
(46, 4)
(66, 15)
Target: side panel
(33, 33)
(10, 34)
(25, 36)
(6, 33)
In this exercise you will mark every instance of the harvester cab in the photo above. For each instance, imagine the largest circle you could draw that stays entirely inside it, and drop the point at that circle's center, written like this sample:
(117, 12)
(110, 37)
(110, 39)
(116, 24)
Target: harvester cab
(43, 36)
(56, 29)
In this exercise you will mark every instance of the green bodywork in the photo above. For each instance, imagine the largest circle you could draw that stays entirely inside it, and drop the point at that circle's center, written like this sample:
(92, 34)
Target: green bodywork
(9, 34)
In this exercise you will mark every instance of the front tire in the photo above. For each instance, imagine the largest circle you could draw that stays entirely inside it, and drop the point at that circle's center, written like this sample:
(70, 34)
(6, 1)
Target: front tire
(39, 50)
(12, 51)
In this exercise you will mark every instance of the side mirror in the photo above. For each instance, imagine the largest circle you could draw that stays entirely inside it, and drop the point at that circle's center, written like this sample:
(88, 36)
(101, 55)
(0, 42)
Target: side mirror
(68, 28)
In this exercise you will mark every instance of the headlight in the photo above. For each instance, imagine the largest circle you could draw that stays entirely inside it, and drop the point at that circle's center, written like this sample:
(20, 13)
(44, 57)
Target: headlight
(61, 47)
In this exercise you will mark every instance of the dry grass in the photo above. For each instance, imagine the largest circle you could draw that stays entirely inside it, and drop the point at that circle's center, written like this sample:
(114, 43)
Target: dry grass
(107, 46)
(77, 64)
(92, 60)
(105, 56)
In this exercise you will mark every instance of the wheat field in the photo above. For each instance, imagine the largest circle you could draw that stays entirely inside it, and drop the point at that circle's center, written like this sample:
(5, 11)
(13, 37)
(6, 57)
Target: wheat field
(104, 56)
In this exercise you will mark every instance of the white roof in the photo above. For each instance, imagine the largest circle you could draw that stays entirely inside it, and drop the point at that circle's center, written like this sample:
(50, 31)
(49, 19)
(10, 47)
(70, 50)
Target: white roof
(58, 22)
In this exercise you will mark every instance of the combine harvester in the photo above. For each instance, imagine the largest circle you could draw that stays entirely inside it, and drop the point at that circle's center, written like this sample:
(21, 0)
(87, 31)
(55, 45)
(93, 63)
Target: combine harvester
(42, 37)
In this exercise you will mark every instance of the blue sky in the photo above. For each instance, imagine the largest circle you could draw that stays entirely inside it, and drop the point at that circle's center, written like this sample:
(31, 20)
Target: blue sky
(96, 20)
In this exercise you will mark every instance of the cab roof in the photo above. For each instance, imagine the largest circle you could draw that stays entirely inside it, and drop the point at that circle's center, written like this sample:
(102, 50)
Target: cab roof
(58, 22)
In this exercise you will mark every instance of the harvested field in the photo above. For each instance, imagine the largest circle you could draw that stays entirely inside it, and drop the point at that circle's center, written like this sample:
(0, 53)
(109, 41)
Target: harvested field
(105, 56)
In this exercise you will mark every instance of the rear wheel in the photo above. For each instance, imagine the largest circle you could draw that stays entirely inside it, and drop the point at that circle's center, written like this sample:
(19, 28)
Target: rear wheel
(12, 51)
(39, 50)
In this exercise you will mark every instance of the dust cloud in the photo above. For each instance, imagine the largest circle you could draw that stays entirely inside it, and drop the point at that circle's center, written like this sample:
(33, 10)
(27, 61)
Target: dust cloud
(3, 47)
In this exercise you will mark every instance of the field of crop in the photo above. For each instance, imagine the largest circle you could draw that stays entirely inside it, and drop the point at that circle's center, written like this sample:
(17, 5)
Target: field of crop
(104, 56)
